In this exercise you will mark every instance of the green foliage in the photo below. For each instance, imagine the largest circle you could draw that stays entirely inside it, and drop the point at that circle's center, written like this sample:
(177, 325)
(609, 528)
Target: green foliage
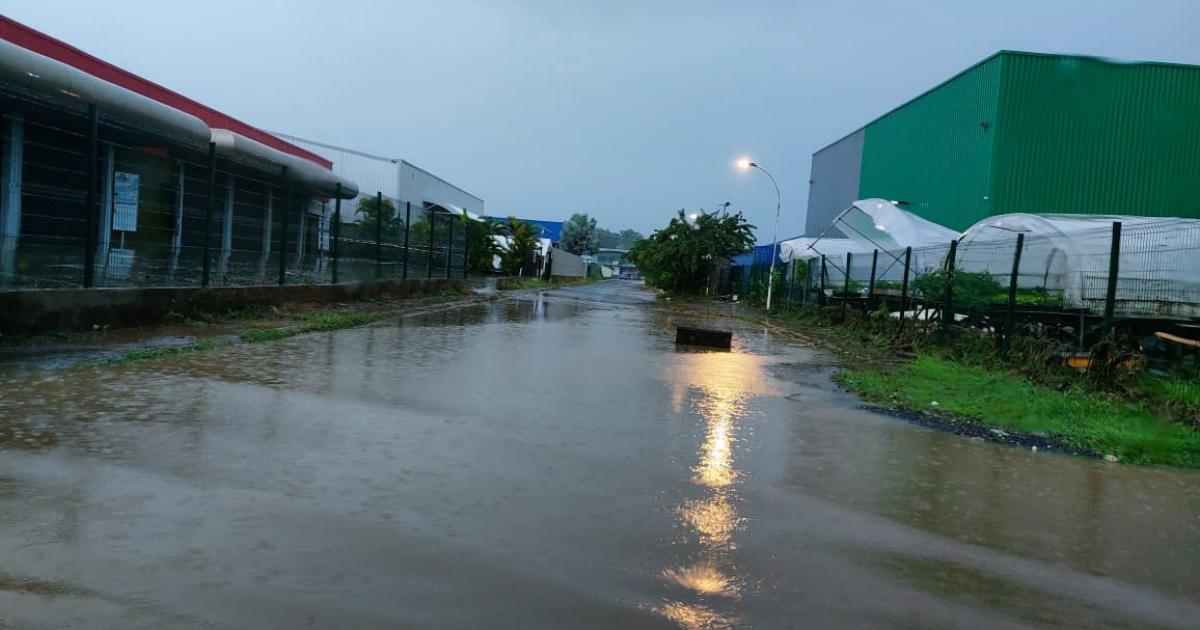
(164, 351)
(579, 234)
(259, 335)
(852, 289)
(1037, 296)
(681, 256)
(617, 240)
(522, 240)
(337, 321)
(531, 283)
(482, 247)
(973, 291)
(1077, 419)
(368, 212)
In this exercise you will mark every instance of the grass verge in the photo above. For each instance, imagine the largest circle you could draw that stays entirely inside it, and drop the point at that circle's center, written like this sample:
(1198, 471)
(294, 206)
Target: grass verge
(1075, 418)
(165, 351)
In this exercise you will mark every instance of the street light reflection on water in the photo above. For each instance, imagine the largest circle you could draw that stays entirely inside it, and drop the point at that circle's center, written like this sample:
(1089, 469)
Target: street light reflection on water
(718, 383)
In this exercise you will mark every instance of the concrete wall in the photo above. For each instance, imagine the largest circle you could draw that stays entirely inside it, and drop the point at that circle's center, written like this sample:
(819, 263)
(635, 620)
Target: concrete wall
(34, 311)
(834, 182)
(564, 264)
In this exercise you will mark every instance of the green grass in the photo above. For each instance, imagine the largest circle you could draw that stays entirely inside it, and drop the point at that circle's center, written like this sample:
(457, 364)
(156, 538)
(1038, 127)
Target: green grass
(260, 335)
(995, 399)
(531, 283)
(164, 351)
(338, 321)
(1173, 391)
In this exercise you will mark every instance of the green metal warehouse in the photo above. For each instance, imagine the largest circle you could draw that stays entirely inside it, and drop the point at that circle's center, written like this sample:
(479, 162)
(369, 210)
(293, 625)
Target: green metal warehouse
(1026, 132)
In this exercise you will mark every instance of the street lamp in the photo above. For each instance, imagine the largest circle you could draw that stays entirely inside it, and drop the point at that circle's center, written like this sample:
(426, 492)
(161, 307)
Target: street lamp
(746, 164)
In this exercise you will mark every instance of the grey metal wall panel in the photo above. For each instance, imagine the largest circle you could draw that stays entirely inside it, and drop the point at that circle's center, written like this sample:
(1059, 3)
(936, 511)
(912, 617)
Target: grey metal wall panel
(398, 180)
(419, 186)
(834, 181)
(372, 173)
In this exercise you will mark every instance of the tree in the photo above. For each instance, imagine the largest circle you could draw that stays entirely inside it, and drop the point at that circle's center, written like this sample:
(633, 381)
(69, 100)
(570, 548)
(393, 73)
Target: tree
(579, 234)
(607, 239)
(682, 256)
(367, 214)
(522, 238)
(482, 247)
(627, 238)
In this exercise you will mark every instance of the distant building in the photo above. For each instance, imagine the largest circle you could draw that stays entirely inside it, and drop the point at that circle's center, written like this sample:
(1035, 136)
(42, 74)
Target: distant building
(401, 182)
(1026, 132)
(548, 230)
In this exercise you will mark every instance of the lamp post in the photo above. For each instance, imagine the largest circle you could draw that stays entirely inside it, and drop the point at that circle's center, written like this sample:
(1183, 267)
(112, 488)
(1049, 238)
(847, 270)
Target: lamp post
(744, 164)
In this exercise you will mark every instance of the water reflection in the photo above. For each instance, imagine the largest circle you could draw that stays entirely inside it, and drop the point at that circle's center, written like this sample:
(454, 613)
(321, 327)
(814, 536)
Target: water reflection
(709, 575)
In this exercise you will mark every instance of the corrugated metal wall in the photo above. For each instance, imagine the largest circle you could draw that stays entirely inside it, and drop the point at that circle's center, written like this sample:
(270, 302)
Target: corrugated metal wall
(936, 151)
(1082, 135)
(419, 186)
(833, 183)
(372, 173)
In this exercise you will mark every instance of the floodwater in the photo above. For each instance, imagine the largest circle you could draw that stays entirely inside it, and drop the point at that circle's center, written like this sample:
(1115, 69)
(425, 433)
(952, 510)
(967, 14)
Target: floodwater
(549, 462)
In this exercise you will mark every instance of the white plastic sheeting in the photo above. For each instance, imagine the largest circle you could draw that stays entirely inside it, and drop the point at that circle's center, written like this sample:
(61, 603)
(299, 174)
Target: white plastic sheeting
(871, 224)
(875, 224)
(879, 224)
(1070, 254)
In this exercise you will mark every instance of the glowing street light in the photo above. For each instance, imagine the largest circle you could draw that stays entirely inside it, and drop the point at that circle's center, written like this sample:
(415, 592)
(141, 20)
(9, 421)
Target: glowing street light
(747, 164)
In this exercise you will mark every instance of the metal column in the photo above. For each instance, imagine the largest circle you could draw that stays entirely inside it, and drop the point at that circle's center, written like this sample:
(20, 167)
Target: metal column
(11, 161)
(209, 206)
(89, 214)
(337, 225)
(288, 199)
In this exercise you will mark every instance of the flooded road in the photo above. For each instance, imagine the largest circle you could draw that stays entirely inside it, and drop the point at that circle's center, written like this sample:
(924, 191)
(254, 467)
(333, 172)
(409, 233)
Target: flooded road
(548, 462)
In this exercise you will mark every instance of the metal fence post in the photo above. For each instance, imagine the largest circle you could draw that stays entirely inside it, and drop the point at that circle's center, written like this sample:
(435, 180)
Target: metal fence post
(1114, 268)
(948, 303)
(429, 252)
(449, 244)
(871, 282)
(89, 214)
(1012, 293)
(210, 202)
(466, 241)
(283, 242)
(904, 287)
(846, 285)
(378, 235)
(821, 279)
(407, 226)
(337, 224)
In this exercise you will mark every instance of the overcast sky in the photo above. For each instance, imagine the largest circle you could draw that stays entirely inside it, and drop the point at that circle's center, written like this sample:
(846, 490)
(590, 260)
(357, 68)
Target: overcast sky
(623, 109)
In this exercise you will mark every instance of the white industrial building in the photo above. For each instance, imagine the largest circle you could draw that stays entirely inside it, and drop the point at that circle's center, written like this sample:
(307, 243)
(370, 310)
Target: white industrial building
(399, 180)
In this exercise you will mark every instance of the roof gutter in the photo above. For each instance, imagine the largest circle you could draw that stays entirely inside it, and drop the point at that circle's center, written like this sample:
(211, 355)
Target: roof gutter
(43, 75)
(319, 180)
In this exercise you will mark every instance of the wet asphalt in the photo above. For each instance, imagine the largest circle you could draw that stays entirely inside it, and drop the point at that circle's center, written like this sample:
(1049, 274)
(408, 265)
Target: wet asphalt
(552, 460)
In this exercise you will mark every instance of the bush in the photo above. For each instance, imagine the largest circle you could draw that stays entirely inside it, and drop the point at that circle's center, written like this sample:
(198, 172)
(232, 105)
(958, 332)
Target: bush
(973, 291)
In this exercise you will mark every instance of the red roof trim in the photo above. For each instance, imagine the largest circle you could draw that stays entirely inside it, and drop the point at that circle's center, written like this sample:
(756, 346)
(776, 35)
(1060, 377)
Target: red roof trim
(44, 44)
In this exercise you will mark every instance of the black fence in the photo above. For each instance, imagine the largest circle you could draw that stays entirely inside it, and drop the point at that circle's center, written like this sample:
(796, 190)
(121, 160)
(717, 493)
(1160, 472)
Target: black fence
(87, 200)
(1141, 271)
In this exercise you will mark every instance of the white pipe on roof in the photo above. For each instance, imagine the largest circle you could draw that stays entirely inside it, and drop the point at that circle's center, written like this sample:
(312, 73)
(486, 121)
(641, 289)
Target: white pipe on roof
(320, 180)
(39, 73)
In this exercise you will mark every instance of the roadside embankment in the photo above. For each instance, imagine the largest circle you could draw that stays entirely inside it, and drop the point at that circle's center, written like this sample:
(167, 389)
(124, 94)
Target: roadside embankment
(33, 311)
(960, 383)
